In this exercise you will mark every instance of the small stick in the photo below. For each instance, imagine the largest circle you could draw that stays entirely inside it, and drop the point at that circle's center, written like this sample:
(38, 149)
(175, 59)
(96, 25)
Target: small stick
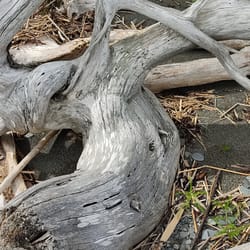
(199, 140)
(225, 115)
(213, 167)
(194, 221)
(244, 168)
(65, 36)
(212, 193)
(203, 244)
(23, 163)
(244, 237)
(233, 107)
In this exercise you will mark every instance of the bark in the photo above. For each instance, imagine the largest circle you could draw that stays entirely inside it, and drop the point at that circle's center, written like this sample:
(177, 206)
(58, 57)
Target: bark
(131, 147)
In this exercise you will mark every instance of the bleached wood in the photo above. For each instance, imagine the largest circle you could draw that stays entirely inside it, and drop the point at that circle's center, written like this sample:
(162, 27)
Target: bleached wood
(163, 77)
(31, 54)
(48, 50)
(193, 73)
(131, 147)
(18, 185)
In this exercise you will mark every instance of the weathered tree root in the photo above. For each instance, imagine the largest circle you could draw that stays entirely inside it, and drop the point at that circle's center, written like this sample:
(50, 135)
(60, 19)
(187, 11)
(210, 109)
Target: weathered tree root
(131, 148)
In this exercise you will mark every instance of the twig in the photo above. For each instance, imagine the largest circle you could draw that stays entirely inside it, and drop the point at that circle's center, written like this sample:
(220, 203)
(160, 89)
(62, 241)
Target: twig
(23, 163)
(213, 190)
(199, 140)
(233, 107)
(194, 221)
(60, 30)
(225, 116)
(203, 244)
(242, 167)
(244, 237)
(213, 167)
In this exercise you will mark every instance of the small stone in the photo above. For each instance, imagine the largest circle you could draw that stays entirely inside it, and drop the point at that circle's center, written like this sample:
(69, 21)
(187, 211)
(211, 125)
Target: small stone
(184, 246)
(192, 234)
(207, 233)
(183, 235)
(245, 187)
(176, 246)
(211, 222)
(198, 156)
(188, 242)
(246, 182)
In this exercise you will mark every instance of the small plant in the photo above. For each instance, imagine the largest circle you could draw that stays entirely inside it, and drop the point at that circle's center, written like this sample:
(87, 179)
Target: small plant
(226, 148)
(227, 210)
(232, 231)
(191, 198)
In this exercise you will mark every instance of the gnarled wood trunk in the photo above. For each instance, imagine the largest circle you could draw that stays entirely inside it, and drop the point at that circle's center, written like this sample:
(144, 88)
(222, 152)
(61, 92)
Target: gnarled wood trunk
(131, 147)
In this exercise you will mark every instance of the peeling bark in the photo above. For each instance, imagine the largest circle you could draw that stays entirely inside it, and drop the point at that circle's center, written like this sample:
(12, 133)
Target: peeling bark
(131, 147)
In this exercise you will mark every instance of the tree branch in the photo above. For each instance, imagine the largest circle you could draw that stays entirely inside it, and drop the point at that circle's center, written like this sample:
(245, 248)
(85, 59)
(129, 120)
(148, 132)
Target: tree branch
(180, 23)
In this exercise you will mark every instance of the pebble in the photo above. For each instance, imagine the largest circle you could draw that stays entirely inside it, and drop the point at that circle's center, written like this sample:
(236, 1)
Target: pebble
(245, 186)
(177, 247)
(184, 234)
(192, 234)
(207, 233)
(198, 156)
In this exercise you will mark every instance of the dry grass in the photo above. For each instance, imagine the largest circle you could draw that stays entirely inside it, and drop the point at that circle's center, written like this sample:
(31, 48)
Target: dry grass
(52, 21)
(183, 108)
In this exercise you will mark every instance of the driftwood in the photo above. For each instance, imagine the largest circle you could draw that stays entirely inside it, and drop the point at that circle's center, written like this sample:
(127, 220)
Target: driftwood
(10, 162)
(194, 73)
(131, 147)
(163, 77)
(48, 50)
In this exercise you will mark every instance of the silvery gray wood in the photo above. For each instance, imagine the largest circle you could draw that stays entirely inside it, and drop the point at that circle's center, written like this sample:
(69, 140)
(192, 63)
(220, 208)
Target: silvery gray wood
(131, 147)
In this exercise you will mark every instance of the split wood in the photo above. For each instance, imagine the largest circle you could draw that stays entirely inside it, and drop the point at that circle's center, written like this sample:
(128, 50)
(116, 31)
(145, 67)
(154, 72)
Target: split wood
(18, 186)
